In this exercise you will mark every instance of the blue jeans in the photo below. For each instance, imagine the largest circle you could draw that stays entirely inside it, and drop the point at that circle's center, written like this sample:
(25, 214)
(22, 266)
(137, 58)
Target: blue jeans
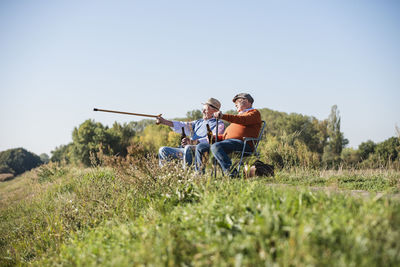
(220, 151)
(166, 153)
(201, 149)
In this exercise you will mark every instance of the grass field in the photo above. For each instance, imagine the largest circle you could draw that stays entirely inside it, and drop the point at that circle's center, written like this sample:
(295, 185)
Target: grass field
(143, 215)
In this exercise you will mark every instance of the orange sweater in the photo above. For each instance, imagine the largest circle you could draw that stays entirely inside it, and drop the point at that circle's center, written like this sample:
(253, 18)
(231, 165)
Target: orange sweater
(247, 124)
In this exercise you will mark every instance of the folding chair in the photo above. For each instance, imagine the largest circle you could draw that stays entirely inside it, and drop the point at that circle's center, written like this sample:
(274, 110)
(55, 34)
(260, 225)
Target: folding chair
(254, 142)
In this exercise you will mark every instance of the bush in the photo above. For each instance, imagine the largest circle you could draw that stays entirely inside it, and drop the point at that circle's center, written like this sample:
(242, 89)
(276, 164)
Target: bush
(381, 155)
(389, 149)
(350, 157)
(91, 137)
(366, 148)
(287, 151)
(62, 154)
(155, 136)
(48, 171)
(18, 160)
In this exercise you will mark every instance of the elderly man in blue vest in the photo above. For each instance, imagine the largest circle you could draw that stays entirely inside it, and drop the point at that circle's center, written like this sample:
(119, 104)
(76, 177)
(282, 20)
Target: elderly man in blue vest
(196, 132)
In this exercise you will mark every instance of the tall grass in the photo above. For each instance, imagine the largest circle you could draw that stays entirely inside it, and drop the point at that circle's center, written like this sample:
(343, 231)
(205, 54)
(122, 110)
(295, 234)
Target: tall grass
(134, 213)
(371, 180)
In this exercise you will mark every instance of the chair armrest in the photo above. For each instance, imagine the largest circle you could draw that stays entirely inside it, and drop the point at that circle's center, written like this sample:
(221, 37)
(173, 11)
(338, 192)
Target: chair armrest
(252, 139)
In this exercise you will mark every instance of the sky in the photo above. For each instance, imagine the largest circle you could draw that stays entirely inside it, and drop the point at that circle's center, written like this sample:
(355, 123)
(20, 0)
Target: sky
(61, 59)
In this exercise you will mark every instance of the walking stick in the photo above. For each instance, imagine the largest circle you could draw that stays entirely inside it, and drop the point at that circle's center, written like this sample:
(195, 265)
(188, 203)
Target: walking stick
(216, 140)
(128, 113)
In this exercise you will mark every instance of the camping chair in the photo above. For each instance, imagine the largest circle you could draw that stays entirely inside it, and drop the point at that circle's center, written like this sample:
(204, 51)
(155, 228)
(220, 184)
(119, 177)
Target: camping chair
(254, 142)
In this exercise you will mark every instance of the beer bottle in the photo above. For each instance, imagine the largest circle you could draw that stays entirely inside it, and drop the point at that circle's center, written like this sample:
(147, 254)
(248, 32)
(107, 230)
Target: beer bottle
(209, 134)
(183, 135)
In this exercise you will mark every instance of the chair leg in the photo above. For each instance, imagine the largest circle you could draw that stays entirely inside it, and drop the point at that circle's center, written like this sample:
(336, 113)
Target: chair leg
(240, 163)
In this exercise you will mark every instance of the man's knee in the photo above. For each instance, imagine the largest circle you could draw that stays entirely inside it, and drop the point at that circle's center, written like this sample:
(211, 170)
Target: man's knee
(188, 149)
(162, 152)
(215, 147)
(188, 154)
(202, 147)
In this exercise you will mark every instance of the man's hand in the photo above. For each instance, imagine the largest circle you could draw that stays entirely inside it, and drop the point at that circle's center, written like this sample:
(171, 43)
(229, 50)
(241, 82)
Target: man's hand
(159, 120)
(218, 114)
(186, 141)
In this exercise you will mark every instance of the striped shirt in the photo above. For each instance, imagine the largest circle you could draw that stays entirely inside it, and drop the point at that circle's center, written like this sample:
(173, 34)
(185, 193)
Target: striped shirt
(197, 130)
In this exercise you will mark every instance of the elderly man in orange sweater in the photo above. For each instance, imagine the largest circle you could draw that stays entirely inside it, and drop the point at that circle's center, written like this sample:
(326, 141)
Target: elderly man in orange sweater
(246, 124)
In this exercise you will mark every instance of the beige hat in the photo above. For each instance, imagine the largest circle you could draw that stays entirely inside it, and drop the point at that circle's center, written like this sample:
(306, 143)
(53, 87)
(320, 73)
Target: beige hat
(214, 103)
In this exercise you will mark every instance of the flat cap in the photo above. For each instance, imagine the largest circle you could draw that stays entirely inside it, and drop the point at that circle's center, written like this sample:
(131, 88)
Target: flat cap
(244, 96)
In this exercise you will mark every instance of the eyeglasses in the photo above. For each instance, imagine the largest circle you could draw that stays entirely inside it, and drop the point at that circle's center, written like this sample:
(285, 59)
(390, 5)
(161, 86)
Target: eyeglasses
(240, 100)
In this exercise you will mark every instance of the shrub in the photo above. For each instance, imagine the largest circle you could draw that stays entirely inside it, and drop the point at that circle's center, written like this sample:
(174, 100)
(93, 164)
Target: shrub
(350, 157)
(18, 160)
(287, 151)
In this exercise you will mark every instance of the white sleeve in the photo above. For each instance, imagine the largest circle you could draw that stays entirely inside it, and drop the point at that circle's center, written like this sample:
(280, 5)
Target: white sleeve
(177, 127)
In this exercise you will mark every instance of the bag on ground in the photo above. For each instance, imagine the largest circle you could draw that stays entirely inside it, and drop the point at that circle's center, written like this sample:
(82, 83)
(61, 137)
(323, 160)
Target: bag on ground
(259, 168)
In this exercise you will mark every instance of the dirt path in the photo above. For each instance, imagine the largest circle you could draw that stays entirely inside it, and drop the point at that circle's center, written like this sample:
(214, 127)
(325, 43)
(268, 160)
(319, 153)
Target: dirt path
(335, 190)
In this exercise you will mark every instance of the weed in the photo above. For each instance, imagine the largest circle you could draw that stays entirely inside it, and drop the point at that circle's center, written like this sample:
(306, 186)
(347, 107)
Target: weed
(129, 211)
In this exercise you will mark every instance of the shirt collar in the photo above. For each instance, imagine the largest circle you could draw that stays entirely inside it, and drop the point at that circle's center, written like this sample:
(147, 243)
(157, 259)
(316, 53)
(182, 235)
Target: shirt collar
(209, 119)
(243, 111)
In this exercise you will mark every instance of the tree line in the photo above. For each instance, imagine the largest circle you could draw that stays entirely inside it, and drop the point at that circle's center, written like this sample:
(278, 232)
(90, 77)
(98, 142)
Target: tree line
(289, 140)
(18, 160)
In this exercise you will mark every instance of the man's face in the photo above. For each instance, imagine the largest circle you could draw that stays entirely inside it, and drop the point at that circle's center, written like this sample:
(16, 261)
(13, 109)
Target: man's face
(242, 104)
(208, 112)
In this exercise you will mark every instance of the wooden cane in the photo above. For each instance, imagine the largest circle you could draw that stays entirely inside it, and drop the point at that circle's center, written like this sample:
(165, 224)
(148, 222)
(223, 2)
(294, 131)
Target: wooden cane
(128, 113)
(216, 140)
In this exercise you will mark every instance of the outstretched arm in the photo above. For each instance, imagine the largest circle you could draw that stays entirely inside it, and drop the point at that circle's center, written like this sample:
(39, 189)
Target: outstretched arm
(161, 120)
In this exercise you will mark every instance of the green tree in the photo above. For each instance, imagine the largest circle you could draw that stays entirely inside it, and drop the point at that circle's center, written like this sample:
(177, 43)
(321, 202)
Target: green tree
(92, 137)
(121, 137)
(139, 126)
(194, 115)
(389, 149)
(62, 153)
(336, 141)
(19, 160)
(231, 112)
(6, 169)
(366, 148)
(88, 139)
(309, 130)
(155, 136)
(384, 154)
(351, 157)
(44, 158)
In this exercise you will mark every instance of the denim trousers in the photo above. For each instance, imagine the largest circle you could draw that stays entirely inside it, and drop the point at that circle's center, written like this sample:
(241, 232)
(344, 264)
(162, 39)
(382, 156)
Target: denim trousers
(220, 150)
(166, 153)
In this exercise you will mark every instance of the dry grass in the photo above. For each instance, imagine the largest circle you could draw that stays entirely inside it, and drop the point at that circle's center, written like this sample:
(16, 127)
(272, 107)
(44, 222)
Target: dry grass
(6, 177)
(16, 189)
(361, 172)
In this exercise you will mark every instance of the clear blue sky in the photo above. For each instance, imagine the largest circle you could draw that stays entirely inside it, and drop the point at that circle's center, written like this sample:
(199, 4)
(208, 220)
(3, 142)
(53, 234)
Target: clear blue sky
(60, 59)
